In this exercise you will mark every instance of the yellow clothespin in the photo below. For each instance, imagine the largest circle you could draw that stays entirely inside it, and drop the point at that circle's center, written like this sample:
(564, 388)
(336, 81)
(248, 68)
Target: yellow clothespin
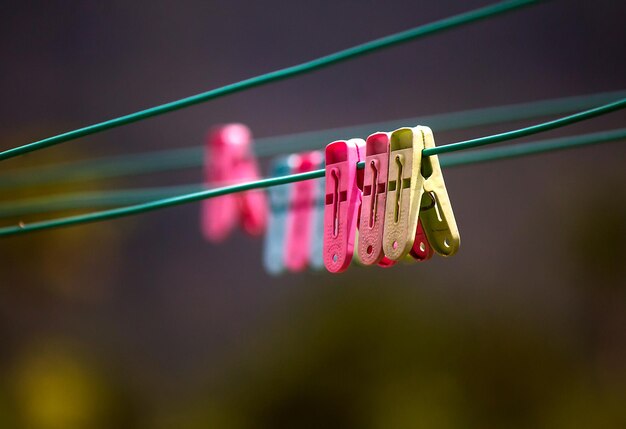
(413, 182)
(404, 192)
(436, 211)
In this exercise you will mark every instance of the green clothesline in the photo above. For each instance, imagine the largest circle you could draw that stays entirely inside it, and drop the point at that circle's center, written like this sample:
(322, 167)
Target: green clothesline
(102, 199)
(307, 67)
(264, 183)
(527, 131)
(192, 157)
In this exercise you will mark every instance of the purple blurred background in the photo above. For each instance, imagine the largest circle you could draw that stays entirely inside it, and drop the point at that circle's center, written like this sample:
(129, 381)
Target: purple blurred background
(141, 323)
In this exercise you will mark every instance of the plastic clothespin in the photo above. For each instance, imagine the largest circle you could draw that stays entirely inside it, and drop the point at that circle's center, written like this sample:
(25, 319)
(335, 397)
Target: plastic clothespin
(342, 201)
(360, 179)
(436, 214)
(274, 247)
(372, 216)
(404, 192)
(300, 214)
(229, 159)
(317, 242)
(421, 250)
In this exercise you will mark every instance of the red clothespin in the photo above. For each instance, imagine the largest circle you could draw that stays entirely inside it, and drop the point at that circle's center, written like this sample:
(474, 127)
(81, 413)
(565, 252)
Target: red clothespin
(229, 159)
(343, 199)
(421, 250)
(301, 211)
(372, 217)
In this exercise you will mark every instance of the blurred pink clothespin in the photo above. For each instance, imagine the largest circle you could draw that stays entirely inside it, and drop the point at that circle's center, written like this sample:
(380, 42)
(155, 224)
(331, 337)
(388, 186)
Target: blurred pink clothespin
(229, 159)
(300, 215)
(343, 200)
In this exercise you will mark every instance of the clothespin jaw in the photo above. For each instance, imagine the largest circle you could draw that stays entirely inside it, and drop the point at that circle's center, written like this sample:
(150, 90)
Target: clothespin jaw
(229, 159)
(342, 199)
(301, 213)
(404, 192)
(372, 218)
(274, 249)
(436, 215)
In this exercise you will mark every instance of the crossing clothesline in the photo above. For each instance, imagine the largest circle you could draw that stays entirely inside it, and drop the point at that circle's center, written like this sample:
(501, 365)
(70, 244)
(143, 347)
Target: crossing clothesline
(277, 75)
(264, 183)
(191, 157)
(101, 199)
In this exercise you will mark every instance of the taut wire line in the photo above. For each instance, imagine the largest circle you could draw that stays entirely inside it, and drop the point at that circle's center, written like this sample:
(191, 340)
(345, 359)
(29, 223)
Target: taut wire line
(527, 131)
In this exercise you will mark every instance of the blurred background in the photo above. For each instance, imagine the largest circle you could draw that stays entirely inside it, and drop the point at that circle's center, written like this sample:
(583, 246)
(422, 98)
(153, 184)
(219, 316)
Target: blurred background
(139, 322)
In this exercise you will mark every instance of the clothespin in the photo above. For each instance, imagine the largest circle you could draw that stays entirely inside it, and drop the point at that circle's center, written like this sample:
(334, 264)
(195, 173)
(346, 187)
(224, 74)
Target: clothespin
(436, 214)
(421, 249)
(372, 216)
(317, 243)
(416, 181)
(229, 159)
(404, 192)
(300, 215)
(360, 178)
(274, 247)
(342, 202)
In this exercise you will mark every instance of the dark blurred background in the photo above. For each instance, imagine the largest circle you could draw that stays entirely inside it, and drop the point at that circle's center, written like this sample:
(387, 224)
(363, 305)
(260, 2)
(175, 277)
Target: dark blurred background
(141, 323)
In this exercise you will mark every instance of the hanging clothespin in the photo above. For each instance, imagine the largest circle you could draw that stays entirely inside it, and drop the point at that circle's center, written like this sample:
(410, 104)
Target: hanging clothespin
(229, 159)
(300, 216)
(372, 216)
(436, 214)
(416, 181)
(317, 243)
(274, 247)
(421, 249)
(342, 202)
(404, 192)
(360, 178)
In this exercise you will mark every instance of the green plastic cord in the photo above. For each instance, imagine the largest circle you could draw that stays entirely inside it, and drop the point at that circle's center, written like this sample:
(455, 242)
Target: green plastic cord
(159, 204)
(102, 199)
(91, 200)
(522, 132)
(183, 199)
(525, 149)
(316, 64)
(191, 157)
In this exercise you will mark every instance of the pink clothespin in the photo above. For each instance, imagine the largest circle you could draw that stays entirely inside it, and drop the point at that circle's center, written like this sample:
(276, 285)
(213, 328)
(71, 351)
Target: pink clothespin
(421, 250)
(301, 211)
(342, 203)
(229, 159)
(372, 217)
